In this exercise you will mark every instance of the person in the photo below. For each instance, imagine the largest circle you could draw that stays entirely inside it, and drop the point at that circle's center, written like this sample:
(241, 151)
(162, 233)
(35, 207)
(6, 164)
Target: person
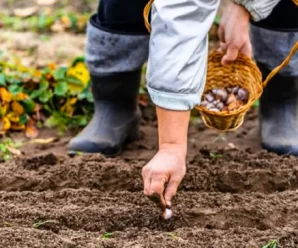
(118, 44)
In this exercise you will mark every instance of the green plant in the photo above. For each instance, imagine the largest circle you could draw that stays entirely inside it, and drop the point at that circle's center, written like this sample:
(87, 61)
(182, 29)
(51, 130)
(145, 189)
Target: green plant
(173, 236)
(271, 244)
(256, 104)
(55, 96)
(106, 236)
(216, 155)
(9, 148)
(47, 21)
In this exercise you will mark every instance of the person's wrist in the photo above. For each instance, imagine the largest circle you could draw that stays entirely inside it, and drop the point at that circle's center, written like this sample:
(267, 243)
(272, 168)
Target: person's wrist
(175, 149)
(241, 8)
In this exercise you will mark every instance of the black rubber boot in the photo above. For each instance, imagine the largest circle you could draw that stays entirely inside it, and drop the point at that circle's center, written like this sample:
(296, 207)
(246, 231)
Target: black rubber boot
(279, 114)
(116, 118)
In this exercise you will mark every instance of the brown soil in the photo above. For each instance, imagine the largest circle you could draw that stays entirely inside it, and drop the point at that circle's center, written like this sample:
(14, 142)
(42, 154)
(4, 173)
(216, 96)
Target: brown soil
(245, 198)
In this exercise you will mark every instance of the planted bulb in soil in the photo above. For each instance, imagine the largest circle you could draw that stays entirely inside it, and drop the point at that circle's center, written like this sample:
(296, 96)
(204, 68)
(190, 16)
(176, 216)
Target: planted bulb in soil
(168, 214)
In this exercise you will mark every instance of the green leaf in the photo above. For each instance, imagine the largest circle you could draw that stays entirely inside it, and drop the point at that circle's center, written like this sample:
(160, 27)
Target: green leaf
(86, 94)
(14, 89)
(77, 60)
(256, 104)
(271, 244)
(6, 157)
(60, 73)
(215, 155)
(61, 88)
(45, 96)
(217, 20)
(43, 86)
(23, 119)
(51, 122)
(80, 120)
(106, 236)
(2, 80)
(75, 81)
(28, 105)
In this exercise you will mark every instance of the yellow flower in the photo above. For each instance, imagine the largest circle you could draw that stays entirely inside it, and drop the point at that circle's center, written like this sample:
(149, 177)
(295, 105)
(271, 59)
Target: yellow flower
(13, 117)
(80, 72)
(52, 66)
(65, 21)
(73, 101)
(3, 109)
(20, 96)
(17, 108)
(5, 124)
(5, 95)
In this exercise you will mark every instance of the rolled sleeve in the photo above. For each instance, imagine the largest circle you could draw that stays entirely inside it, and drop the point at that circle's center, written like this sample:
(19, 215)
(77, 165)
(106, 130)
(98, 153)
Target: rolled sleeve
(260, 9)
(178, 51)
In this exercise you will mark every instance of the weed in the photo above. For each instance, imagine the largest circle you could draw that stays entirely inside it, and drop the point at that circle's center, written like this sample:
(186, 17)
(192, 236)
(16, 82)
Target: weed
(106, 236)
(271, 244)
(216, 155)
(9, 148)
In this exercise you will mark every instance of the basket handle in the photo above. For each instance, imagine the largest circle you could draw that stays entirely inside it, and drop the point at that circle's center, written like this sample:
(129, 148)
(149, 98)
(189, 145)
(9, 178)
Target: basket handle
(146, 15)
(282, 65)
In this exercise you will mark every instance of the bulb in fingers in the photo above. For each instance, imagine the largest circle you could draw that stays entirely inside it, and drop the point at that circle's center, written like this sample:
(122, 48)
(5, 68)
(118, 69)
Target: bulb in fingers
(167, 214)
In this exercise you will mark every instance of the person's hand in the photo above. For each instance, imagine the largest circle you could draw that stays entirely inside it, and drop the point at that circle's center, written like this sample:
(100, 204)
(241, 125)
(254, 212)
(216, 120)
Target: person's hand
(167, 167)
(234, 33)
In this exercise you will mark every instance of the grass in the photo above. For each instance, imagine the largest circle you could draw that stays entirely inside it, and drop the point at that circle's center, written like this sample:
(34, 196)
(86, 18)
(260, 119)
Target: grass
(9, 148)
(106, 236)
(271, 244)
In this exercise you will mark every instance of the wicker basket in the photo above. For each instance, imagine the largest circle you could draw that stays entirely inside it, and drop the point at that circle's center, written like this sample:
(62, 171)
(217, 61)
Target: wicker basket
(243, 72)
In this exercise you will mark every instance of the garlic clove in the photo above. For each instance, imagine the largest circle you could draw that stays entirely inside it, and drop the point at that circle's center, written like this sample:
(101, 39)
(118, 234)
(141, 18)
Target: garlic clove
(214, 91)
(209, 98)
(210, 105)
(243, 94)
(216, 101)
(220, 106)
(221, 94)
(204, 103)
(235, 89)
(214, 109)
(231, 98)
(235, 105)
(168, 214)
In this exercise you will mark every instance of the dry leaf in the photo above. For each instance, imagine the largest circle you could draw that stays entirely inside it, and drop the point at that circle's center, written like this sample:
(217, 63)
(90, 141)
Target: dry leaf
(45, 2)
(17, 126)
(31, 131)
(43, 141)
(13, 117)
(57, 27)
(17, 108)
(25, 12)
(5, 95)
(5, 124)
(14, 151)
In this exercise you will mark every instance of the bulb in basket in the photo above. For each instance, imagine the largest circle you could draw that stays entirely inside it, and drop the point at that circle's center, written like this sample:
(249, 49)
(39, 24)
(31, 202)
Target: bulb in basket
(225, 99)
